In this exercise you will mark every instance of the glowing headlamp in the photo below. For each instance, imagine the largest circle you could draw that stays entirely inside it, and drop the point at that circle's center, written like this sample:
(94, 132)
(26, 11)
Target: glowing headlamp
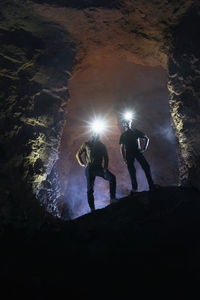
(128, 116)
(97, 126)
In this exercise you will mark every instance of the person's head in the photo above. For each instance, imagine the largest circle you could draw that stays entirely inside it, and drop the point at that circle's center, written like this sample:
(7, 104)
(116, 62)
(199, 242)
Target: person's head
(95, 136)
(127, 124)
(128, 116)
(97, 127)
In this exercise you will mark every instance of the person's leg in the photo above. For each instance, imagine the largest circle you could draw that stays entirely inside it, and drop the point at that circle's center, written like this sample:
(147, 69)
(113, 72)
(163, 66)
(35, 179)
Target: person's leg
(112, 183)
(145, 166)
(132, 173)
(90, 187)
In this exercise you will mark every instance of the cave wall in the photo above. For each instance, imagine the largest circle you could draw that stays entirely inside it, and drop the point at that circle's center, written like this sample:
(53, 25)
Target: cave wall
(150, 33)
(136, 30)
(184, 82)
(39, 47)
(36, 60)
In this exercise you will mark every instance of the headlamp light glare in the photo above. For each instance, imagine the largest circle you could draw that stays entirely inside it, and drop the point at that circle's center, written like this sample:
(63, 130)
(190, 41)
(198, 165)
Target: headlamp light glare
(128, 116)
(97, 126)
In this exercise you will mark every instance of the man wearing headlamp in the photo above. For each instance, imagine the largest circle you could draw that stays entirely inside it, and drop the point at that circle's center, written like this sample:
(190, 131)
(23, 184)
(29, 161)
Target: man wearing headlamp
(96, 164)
(130, 149)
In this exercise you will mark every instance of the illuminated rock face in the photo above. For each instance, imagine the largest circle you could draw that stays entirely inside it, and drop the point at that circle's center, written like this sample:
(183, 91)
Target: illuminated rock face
(38, 56)
(147, 33)
(184, 81)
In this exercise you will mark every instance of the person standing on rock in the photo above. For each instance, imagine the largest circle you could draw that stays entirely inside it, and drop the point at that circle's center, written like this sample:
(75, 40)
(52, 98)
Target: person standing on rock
(130, 149)
(95, 154)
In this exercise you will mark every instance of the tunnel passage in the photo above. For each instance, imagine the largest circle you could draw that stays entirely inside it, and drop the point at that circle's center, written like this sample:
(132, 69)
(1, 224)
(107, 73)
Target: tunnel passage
(106, 89)
(43, 44)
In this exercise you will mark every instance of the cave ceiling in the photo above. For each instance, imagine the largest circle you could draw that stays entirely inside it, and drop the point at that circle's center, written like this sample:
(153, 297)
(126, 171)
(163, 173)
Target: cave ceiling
(137, 30)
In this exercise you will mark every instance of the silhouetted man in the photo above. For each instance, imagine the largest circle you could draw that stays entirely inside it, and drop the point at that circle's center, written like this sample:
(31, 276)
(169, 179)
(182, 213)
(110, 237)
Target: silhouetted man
(130, 149)
(95, 154)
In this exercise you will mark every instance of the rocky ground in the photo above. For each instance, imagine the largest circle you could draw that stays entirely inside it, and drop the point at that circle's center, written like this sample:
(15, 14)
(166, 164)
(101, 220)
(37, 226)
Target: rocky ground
(139, 243)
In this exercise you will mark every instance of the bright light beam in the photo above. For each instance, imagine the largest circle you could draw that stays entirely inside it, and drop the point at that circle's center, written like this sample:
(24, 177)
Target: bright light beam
(98, 126)
(128, 115)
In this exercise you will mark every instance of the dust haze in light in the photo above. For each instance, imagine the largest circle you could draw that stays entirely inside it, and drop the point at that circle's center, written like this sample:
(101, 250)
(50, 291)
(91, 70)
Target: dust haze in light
(108, 89)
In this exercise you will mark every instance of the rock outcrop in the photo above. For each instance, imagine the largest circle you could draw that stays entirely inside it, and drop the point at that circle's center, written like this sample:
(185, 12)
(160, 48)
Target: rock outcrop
(36, 60)
(184, 79)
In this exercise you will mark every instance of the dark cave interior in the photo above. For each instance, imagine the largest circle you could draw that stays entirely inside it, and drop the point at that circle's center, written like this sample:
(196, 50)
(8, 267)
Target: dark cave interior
(62, 63)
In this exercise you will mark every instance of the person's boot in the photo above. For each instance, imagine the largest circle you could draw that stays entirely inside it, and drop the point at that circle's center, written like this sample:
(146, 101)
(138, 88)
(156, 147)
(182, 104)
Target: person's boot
(92, 207)
(113, 200)
(133, 192)
(91, 204)
(154, 187)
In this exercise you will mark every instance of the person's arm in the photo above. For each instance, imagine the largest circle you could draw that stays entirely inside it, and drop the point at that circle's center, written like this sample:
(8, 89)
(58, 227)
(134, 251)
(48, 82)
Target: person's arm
(146, 143)
(122, 148)
(123, 152)
(78, 155)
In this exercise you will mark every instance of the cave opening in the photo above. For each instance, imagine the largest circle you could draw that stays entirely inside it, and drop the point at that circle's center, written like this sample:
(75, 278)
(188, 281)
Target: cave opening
(105, 88)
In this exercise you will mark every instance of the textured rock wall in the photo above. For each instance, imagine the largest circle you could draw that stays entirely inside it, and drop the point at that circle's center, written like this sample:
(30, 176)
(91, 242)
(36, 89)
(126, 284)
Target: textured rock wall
(148, 33)
(137, 30)
(184, 82)
(36, 59)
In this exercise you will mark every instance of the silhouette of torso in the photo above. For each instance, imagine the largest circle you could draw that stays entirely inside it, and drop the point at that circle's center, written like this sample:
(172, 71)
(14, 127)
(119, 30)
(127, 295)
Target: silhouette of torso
(129, 138)
(94, 152)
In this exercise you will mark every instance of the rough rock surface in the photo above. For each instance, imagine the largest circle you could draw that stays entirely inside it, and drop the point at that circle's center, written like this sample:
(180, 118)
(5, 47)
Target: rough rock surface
(184, 80)
(36, 59)
(150, 33)
(139, 30)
